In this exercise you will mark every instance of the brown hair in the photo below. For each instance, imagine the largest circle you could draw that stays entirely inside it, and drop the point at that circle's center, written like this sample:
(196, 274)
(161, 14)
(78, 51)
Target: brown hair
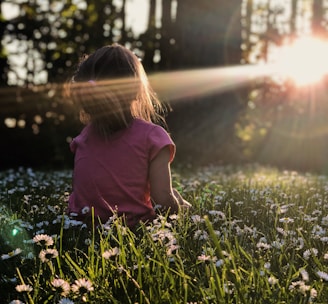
(111, 85)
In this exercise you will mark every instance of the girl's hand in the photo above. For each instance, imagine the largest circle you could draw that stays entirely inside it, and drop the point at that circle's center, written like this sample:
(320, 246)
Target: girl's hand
(185, 205)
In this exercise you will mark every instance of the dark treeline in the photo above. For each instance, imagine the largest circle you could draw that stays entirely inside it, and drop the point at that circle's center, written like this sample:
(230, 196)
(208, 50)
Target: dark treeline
(37, 121)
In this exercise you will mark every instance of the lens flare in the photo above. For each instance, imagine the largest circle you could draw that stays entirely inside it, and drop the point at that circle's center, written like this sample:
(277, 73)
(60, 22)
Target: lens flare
(303, 62)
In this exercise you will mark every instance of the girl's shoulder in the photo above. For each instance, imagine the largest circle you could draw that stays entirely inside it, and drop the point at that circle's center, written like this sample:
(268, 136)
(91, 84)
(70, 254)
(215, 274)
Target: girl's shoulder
(147, 130)
(146, 125)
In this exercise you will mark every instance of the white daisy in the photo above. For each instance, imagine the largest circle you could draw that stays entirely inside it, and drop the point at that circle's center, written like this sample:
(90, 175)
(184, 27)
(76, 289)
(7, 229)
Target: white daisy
(46, 255)
(62, 285)
(24, 288)
(43, 239)
(111, 252)
(323, 275)
(307, 253)
(304, 274)
(205, 258)
(313, 293)
(11, 254)
(85, 210)
(171, 249)
(65, 301)
(272, 280)
(82, 286)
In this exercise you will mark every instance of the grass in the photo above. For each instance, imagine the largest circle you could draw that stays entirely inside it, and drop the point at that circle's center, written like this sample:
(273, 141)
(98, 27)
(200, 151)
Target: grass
(254, 235)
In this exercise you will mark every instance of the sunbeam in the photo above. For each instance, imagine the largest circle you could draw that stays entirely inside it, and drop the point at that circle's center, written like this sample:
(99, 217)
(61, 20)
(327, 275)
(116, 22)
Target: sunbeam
(171, 86)
(177, 85)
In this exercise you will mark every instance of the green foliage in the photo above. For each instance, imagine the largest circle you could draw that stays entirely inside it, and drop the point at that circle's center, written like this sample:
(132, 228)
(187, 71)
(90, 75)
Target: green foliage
(254, 235)
(57, 34)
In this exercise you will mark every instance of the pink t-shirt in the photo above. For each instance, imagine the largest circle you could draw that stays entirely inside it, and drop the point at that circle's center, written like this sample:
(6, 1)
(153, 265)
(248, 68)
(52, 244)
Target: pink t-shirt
(113, 174)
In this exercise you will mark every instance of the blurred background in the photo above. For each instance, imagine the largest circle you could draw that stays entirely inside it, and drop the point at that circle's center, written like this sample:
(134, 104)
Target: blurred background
(246, 81)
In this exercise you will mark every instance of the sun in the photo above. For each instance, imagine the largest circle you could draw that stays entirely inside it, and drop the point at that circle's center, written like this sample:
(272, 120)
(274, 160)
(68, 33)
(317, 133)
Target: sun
(304, 61)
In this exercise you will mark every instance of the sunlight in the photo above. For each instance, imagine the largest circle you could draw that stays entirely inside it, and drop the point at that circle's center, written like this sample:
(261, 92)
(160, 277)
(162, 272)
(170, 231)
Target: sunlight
(304, 62)
(201, 82)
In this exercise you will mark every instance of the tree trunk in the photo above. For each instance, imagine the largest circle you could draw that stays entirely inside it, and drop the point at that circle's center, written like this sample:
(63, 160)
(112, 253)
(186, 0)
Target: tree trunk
(167, 42)
(208, 33)
(149, 38)
(317, 19)
(3, 58)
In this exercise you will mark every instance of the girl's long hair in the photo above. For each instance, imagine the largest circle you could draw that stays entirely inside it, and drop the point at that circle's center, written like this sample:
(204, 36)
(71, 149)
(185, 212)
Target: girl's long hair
(111, 85)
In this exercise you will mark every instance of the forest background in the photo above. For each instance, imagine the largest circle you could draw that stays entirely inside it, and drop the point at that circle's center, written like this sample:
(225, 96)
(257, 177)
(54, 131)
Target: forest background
(200, 55)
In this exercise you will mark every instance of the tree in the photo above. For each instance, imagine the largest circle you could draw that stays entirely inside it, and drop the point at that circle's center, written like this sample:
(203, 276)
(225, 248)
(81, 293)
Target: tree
(149, 39)
(50, 38)
(318, 18)
(3, 54)
(207, 33)
(54, 35)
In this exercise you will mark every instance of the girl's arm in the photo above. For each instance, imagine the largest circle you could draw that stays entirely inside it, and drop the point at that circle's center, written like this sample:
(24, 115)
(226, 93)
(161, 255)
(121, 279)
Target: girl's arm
(161, 190)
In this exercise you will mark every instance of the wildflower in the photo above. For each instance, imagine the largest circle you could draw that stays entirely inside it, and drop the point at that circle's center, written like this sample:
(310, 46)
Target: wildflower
(23, 288)
(162, 235)
(283, 209)
(11, 254)
(41, 224)
(325, 257)
(324, 239)
(172, 248)
(197, 218)
(307, 253)
(300, 286)
(16, 302)
(323, 275)
(272, 280)
(85, 210)
(173, 216)
(87, 241)
(300, 241)
(219, 263)
(281, 231)
(82, 286)
(35, 184)
(46, 255)
(226, 254)
(9, 280)
(218, 214)
(267, 265)
(65, 301)
(324, 221)
(43, 239)
(263, 245)
(228, 287)
(313, 293)
(305, 275)
(205, 258)
(40, 231)
(317, 230)
(200, 235)
(277, 244)
(111, 252)
(62, 285)
(286, 220)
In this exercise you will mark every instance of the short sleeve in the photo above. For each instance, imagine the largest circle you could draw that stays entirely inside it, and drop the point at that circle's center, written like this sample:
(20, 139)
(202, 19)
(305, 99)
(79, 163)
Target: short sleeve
(73, 145)
(158, 138)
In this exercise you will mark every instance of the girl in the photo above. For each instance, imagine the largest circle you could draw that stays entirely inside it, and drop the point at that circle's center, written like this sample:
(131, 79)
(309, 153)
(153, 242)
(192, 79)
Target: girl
(122, 158)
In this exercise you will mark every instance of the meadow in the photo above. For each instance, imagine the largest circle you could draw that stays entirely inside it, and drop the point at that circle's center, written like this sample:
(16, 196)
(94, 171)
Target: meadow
(254, 235)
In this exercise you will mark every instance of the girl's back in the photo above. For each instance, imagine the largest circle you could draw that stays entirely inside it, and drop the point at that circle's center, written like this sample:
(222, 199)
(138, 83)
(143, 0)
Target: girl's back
(113, 174)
